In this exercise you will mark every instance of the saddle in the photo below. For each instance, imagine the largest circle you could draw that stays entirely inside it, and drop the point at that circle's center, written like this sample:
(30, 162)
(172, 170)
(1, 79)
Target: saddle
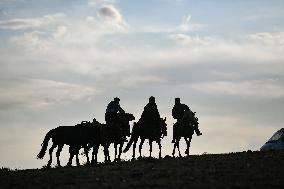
(83, 123)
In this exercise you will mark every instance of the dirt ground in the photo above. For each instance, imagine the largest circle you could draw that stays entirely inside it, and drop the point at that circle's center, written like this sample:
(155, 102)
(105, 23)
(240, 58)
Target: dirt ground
(233, 170)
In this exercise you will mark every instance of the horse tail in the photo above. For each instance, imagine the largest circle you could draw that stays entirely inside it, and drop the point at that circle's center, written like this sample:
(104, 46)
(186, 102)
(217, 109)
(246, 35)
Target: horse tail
(44, 144)
(134, 137)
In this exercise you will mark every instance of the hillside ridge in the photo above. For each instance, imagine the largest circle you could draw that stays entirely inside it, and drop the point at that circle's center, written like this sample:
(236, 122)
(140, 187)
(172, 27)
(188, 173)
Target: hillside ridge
(231, 170)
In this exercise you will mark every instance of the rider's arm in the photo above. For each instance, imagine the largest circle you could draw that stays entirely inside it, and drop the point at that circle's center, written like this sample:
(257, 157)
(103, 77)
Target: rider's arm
(120, 110)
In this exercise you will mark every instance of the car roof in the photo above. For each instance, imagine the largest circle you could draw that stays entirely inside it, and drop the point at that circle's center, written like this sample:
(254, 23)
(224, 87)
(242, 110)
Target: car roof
(277, 135)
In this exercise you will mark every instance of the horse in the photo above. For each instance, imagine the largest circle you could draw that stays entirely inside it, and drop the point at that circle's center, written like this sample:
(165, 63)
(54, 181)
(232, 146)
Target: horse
(150, 132)
(184, 128)
(185, 131)
(74, 136)
(115, 133)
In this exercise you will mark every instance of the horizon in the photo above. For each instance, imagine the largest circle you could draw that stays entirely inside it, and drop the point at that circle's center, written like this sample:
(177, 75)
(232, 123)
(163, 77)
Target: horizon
(62, 62)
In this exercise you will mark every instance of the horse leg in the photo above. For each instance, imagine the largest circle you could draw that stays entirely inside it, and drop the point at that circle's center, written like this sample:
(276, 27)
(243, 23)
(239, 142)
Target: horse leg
(187, 145)
(86, 150)
(115, 151)
(151, 145)
(160, 148)
(178, 140)
(120, 150)
(95, 153)
(106, 152)
(50, 154)
(140, 146)
(60, 146)
(174, 150)
(134, 148)
(71, 153)
(77, 156)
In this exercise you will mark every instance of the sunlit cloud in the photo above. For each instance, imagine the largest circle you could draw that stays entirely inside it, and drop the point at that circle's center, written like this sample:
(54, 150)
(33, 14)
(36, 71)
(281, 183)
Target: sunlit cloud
(26, 23)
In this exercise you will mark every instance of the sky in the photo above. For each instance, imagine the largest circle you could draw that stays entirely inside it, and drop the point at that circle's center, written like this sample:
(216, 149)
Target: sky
(63, 61)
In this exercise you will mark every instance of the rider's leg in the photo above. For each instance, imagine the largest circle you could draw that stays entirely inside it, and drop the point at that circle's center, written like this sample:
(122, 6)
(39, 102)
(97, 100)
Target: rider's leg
(197, 131)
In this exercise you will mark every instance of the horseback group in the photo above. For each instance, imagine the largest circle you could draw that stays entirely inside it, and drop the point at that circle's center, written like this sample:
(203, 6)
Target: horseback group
(93, 134)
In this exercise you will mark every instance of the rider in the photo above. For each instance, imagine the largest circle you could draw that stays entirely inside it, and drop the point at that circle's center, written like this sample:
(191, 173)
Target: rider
(150, 116)
(183, 114)
(113, 108)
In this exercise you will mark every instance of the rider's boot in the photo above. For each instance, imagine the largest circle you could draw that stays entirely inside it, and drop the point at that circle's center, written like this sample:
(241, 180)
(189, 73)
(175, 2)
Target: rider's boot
(197, 131)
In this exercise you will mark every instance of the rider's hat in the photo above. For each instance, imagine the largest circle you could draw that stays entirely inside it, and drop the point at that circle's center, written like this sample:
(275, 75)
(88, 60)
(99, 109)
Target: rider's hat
(152, 99)
(116, 99)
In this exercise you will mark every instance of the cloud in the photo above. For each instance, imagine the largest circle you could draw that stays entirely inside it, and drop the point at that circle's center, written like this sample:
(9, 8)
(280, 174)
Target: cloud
(31, 41)
(252, 88)
(98, 2)
(184, 27)
(266, 38)
(38, 93)
(27, 23)
(193, 41)
(10, 1)
(110, 13)
(60, 32)
(187, 26)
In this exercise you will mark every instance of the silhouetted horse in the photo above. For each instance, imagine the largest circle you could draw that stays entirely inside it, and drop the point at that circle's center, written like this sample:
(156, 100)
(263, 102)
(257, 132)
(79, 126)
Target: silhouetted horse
(74, 136)
(151, 132)
(116, 134)
(184, 129)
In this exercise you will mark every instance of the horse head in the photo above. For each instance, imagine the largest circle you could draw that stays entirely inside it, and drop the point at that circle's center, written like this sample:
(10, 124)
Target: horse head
(124, 119)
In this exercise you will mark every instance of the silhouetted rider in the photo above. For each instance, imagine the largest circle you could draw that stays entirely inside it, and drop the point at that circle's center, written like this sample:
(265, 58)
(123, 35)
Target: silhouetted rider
(150, 116)
(113, 108)
(184, 116)
(178, 110)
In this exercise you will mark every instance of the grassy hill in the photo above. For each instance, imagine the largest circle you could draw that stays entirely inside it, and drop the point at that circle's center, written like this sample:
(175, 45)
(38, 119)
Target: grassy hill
(234, 170)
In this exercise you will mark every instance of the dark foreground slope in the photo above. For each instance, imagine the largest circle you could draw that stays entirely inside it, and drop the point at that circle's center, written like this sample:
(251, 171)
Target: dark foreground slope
(235, 170)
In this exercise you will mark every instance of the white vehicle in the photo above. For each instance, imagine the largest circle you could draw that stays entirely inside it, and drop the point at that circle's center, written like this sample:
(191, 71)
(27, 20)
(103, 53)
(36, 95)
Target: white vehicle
(276, 142)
